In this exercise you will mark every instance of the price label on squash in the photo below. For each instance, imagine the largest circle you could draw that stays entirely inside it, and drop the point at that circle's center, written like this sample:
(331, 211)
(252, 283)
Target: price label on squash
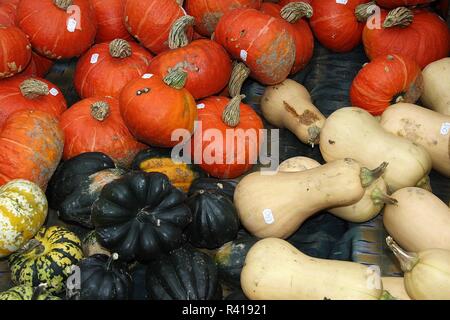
(341, 1)
(201, 106)
(445, 128)
(94, 58)
(244, 55)
(147, 76)
(71, 24)
(268, 216)
(54, 92)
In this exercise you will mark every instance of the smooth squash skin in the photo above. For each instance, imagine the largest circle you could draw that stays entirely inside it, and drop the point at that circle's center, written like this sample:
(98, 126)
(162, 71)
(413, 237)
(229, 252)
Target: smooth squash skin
(370, 205)
(426, 273)
(396, 287)
(419, 221)
(288, 105)
(276, 205)
(425, 127)
(436, 86)
(276, 270)
(353, 133)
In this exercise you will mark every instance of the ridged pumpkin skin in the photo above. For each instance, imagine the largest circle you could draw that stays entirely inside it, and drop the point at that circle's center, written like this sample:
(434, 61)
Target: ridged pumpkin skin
(426, 39)
(38, 66)
(57, 33)
(12, 99)
(25, 292)
(152, 116)
(47, 258)
(269, 55)
(335, 25)
(95, 125)
(207, 13)
(385, 79)
(390, 4)
(31, 146)
(110, 24)
(303, 37)
(16, 51)
(23, 209)
(8, 12)
(206, 62)
(150, 21)
(210, 117)
(100, 74)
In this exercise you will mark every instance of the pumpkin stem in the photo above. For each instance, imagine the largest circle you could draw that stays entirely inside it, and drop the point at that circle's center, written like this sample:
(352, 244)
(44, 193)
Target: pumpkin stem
(407, 260)
(31, 245)
(379, 198)
(119, 48)
(33, 88)
(39, 290)
(239, 74)
(63, 4)
(294, 11)
(180, 2)
(400, 17)
(113, 257)
(100, 110)
(369, 176)
(176, 78)
(425, 184)
(365, 10)
(178, 37)
(232, 113)
(386, 295)
(314, 133)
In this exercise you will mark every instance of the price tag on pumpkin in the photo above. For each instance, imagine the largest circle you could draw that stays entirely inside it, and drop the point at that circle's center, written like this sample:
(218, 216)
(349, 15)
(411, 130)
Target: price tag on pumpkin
(94, 58)
(201, 106)
(341, 1)
(268, 216)
(244, 55)
(147, 76)
(71, 24)
(54, 92)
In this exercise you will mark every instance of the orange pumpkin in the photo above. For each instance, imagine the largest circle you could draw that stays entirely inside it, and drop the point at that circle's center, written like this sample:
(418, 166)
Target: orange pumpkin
(15, 53)
(8, 12)
(107, 67)
(26, 93)
(31, 146)
(153, 107)
(109, 16)
(95, 125)
(38, 66)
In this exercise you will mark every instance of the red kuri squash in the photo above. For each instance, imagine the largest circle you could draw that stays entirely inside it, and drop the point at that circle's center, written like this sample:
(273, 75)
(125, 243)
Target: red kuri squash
(15, 53)
(153, 107)
(384, 81)
(300, 30)
(207, 13)
(262, 42)
(107, 67)
(26, 93)
(150, 22)
(335, 24)
(95, 125)
(38, 66)
(227, 142)
(400, 3)
(58, 28)
(206, 62)
(31, 146)
(418, 34)
(8, 12)
(110, 23)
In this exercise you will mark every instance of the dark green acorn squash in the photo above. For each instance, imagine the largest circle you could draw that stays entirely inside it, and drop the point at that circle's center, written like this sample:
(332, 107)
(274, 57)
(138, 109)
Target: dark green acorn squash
(180, 174)
(104, 278)
(138, 272)
(25, 292)
(183, 274)
(215, 220)
(77, 183)
(140, 216)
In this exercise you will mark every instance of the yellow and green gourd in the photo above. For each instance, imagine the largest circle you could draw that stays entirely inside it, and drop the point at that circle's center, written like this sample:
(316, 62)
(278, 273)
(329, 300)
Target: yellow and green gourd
(25, 292)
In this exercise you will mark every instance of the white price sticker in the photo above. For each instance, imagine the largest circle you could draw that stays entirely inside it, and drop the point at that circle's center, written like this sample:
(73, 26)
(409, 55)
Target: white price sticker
(54, 92)
(147, 76)
(201, 106)
(94, 58)
(341, 1)
(71, 24)
(268, 216)
(244, 55)
(445, 128)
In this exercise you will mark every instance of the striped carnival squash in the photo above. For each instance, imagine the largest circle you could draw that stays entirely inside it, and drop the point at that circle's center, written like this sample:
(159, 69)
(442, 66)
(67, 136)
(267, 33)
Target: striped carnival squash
(25, 292)
(31, 146)
(23, 209)
(47, 258)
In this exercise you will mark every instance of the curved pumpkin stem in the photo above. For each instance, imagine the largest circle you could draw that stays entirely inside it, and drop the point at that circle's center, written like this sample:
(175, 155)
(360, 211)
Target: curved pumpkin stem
(294, 11)
(31, 245)
(119, 48)
(399, 17)
(176, 78)
(379, 198)
(365, 10)
(231, 116)
(239, 74)
(63, 4)
(407, 260)
(178, 33)
(33, 88)
(112, 258)
(369, 176)
(39, 290)
(100, 110)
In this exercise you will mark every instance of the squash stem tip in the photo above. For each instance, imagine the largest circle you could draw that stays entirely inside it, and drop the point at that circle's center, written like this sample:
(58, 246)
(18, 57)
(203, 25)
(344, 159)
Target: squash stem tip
(176, 78)
(314, 133)
(399, 17)
(386, 295)
(379, 198)
(232, 113)
(369, 176)
(294, 11)
(406, 259)
(178, 37)
(239, 74)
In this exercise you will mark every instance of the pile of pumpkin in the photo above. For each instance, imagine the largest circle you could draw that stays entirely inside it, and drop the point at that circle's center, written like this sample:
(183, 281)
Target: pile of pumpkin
(164, 229)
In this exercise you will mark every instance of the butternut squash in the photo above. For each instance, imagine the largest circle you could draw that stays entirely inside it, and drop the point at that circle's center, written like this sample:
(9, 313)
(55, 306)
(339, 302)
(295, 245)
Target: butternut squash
(426, 273)
(396, 287)
(275, 270)
(365, 209)
(276, 205)
(419, 221)
(423, 126)
(436, 86)
(354, 133)
(288, 105)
